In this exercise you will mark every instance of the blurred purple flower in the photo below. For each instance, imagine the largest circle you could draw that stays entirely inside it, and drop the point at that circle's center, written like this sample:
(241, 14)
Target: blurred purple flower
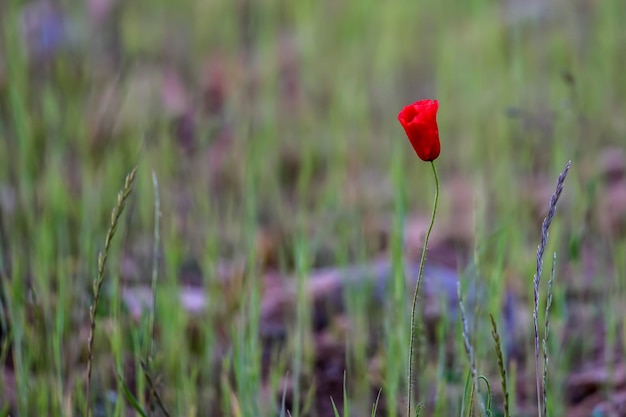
(44, 29)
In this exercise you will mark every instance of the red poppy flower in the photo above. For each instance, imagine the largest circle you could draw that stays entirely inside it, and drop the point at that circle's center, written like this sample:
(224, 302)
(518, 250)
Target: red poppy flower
(419, 121)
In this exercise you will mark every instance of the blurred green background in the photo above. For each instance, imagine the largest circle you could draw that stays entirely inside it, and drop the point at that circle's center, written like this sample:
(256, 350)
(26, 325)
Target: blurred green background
(270, 127)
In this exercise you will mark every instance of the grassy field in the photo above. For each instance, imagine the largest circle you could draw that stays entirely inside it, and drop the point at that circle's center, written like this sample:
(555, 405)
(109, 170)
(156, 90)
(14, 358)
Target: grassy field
(269, 157)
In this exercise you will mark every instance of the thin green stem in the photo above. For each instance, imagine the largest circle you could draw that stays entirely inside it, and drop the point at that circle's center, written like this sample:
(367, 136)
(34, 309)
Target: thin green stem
(417, 288)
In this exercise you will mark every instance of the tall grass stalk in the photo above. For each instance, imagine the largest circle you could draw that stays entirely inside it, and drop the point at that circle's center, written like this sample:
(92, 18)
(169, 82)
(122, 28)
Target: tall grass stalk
(545, 338)
(116, 213)
(155, 273)
(469, 350)
(396, 319)
(301, 331)
(536, 279)
(498, 347)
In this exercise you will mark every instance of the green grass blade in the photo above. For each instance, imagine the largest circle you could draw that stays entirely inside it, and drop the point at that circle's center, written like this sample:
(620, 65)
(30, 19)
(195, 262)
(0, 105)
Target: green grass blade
(130, 397)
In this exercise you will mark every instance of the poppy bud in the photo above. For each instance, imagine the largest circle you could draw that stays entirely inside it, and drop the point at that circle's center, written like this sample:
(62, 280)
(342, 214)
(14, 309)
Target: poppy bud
(419, 121)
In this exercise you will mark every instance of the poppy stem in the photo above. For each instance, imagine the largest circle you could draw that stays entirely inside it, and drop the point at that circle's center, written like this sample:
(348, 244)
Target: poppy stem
(417, 288)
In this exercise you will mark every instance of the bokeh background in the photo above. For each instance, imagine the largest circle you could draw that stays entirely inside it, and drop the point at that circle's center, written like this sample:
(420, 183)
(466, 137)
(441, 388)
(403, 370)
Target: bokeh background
(266, 131)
